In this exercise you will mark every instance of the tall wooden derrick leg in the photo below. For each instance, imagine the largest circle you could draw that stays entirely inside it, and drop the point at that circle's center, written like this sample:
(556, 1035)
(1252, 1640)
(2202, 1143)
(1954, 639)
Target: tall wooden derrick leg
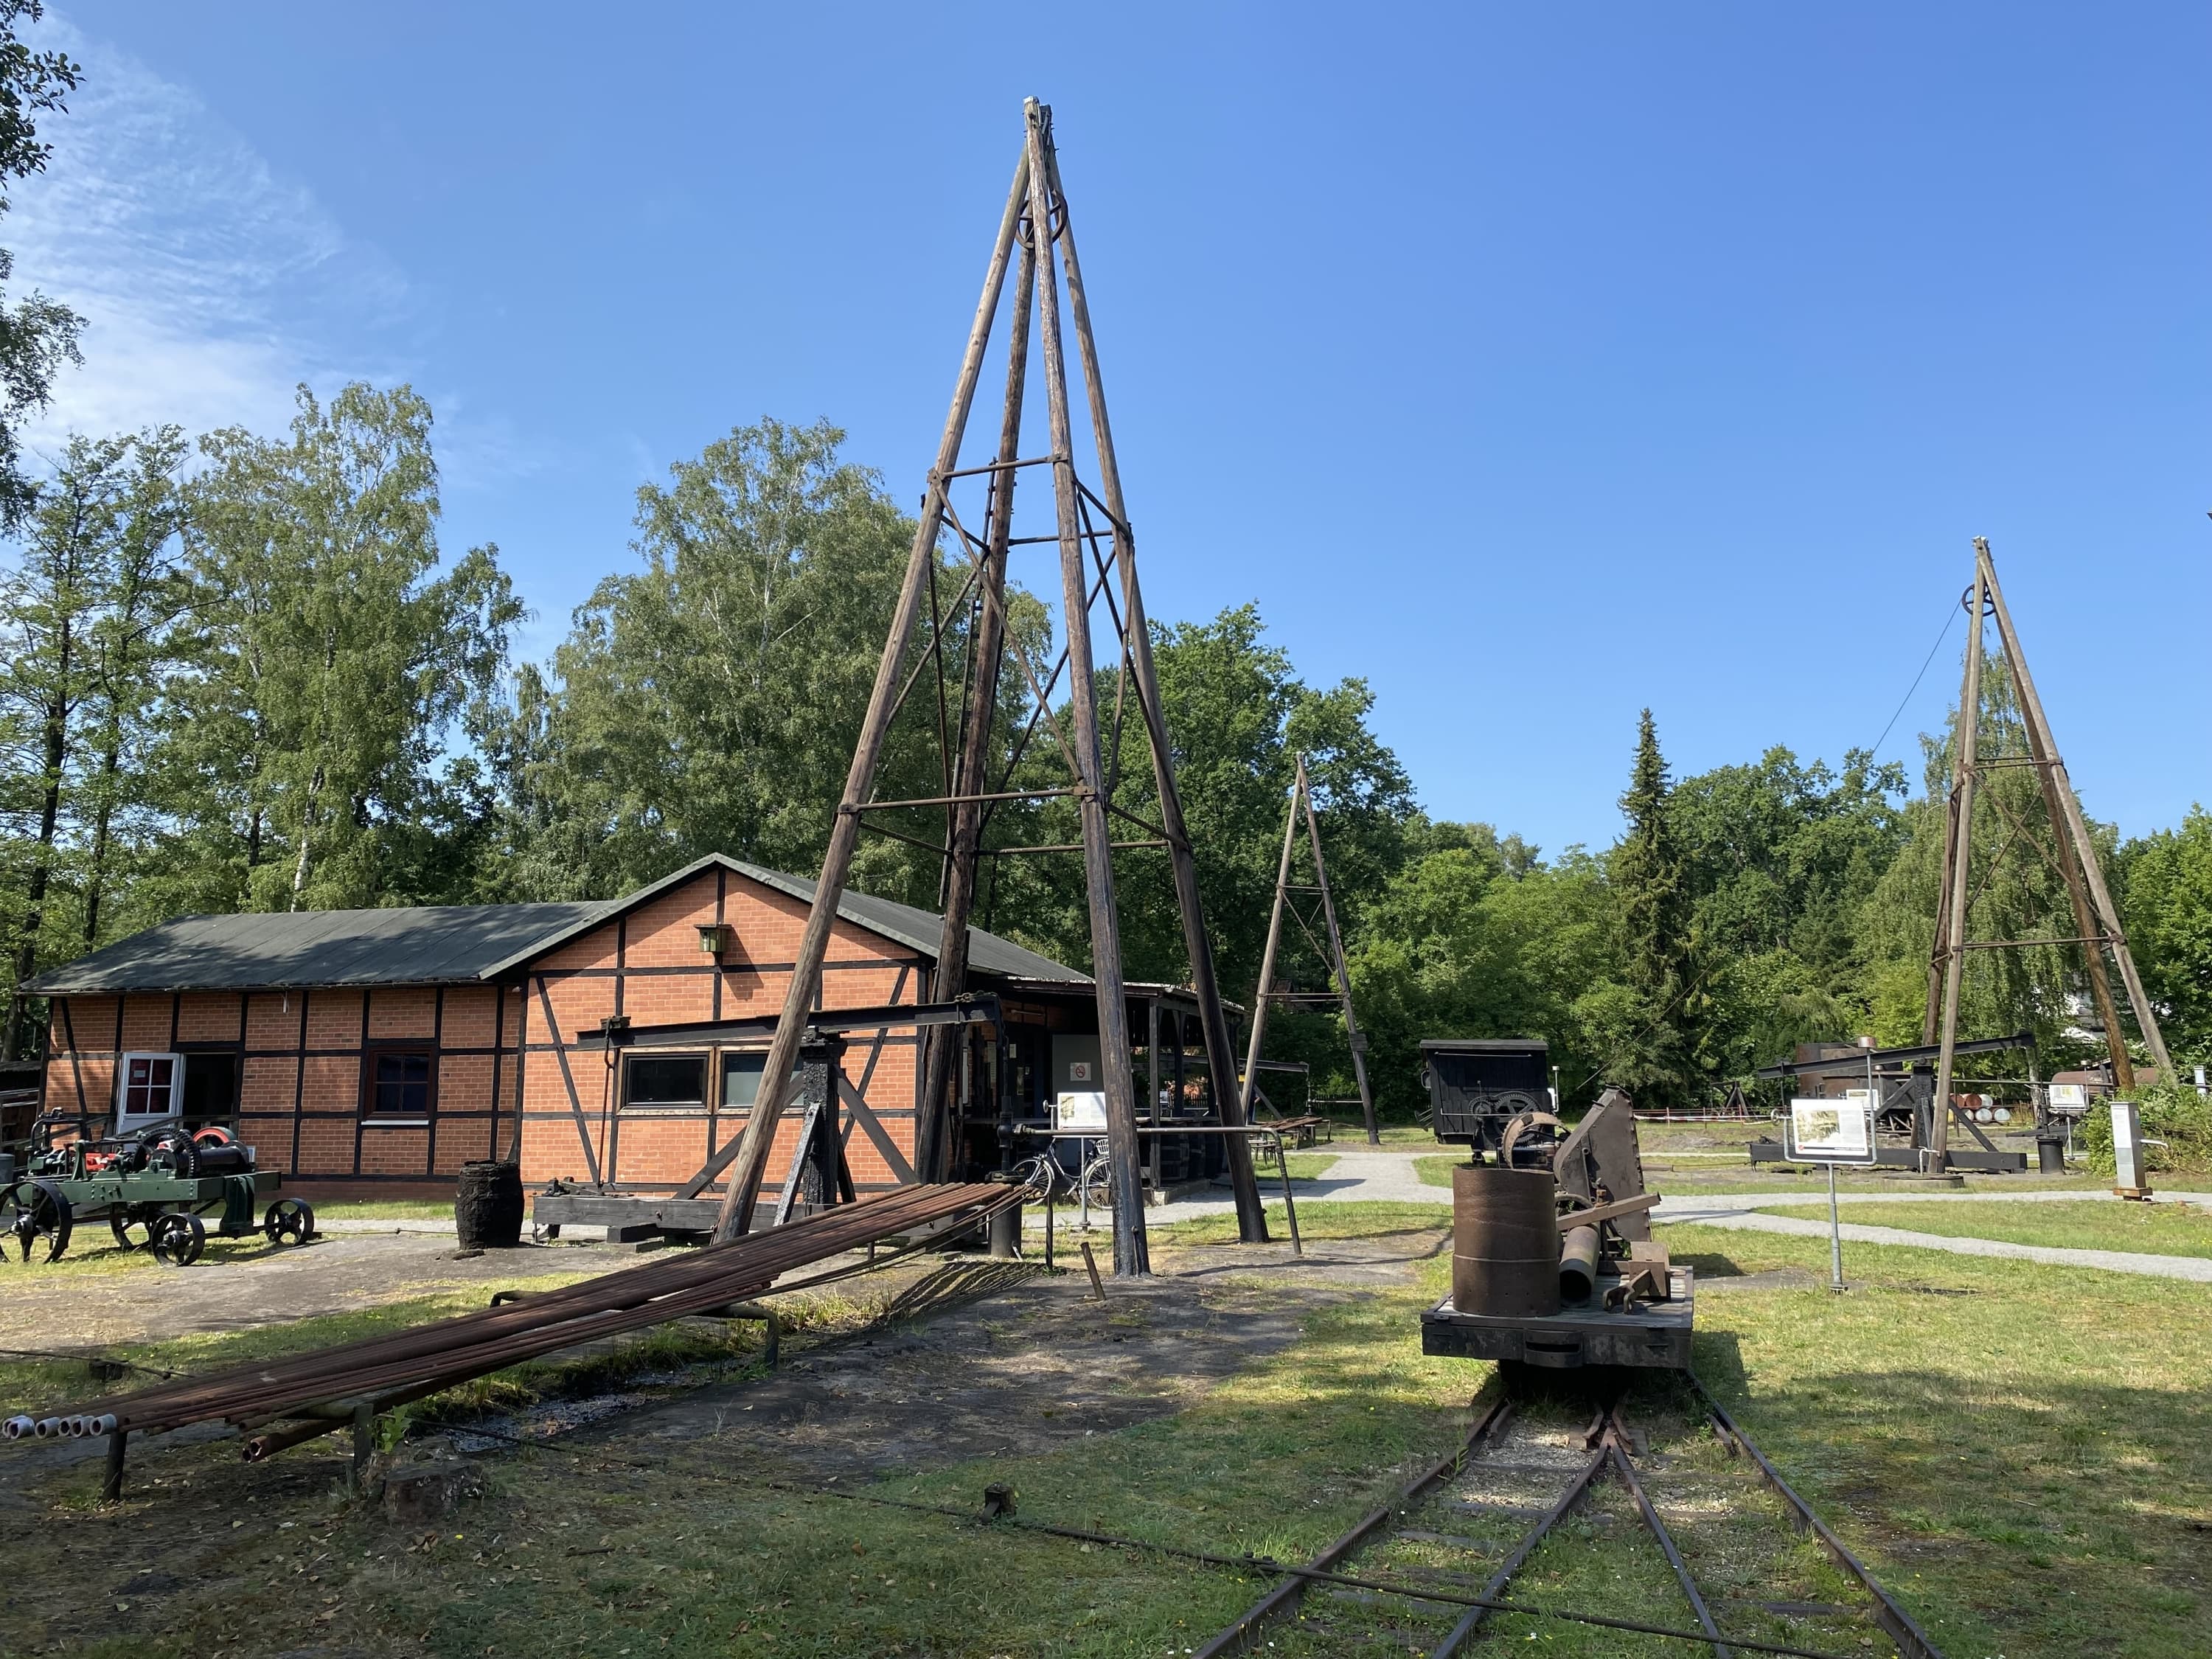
(1264, 995)
(1336, 960)
(1131, 1254)
(749, 1152)
(935, 1142)
(1220, 1053)
(1963, 774)
(2096, 919)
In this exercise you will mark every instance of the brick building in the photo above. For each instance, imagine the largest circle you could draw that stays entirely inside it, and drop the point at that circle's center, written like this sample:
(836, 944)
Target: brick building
(397, 1044)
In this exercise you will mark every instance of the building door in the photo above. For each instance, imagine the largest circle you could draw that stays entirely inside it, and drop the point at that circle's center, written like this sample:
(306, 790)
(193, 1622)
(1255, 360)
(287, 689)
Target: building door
(210, 1091)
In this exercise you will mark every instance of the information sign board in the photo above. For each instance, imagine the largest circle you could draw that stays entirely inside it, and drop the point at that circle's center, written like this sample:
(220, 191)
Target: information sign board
(1832, 1131)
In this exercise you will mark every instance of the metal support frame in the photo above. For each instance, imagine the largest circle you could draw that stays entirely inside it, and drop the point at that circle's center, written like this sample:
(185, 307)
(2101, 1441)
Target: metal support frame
(1332, 953)
(1095, 564)
(2096, 926)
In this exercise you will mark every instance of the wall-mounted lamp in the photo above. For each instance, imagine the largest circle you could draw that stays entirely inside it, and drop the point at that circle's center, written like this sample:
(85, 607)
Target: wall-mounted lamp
(715, 937)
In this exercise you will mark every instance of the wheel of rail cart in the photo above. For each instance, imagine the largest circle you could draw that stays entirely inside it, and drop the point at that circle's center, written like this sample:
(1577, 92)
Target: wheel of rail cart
(178, 1236)
(289, 1221)
(35, 1215)
(131, 1223)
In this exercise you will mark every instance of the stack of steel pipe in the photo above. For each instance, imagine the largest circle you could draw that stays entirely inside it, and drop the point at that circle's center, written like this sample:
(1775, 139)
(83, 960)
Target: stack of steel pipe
(421, 1359)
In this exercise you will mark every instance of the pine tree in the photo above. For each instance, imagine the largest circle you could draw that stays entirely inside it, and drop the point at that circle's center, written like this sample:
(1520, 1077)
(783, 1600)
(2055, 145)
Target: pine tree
(1660, 1052)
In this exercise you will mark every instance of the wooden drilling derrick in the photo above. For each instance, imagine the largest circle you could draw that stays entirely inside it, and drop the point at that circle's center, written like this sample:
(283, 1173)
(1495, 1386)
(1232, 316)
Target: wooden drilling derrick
(2068, 846)
(1331, 950)
(1097, 560)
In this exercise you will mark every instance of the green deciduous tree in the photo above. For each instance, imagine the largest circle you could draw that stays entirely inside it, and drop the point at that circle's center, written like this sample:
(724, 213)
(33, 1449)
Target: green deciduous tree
(339, 671)
(2168, 914)
(85, 614)
(1237, 715)
(1460, 944)
(2016, 889)
(37, 335)
(712, 701)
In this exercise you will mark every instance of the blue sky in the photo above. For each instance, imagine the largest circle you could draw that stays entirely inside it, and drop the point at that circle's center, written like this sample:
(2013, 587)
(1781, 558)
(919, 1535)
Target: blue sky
(1534, 363)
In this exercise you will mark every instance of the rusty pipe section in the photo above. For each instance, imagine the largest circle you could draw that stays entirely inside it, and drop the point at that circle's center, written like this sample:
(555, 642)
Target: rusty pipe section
(450, 1351)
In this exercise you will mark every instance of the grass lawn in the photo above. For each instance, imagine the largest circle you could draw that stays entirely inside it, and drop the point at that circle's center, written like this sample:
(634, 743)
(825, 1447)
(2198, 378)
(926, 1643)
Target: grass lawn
(1305, 1166)
(2150, 1229)
(2026, 1459)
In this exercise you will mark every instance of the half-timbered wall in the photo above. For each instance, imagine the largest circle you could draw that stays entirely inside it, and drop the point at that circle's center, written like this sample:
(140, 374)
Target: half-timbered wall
(303, 1091)
(648, 964)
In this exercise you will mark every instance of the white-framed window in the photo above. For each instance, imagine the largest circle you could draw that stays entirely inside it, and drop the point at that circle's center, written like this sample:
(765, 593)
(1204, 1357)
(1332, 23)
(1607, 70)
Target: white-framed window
(149, 1089)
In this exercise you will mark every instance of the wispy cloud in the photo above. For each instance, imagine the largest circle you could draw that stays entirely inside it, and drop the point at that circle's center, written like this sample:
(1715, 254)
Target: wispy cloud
(211, 285)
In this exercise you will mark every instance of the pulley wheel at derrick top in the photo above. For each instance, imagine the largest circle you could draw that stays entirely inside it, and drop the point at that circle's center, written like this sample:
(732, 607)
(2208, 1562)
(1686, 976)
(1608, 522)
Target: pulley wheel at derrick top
(1505, 1241)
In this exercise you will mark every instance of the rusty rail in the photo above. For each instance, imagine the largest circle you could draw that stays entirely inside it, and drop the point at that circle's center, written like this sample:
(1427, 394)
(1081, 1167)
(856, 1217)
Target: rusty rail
(420, 1360)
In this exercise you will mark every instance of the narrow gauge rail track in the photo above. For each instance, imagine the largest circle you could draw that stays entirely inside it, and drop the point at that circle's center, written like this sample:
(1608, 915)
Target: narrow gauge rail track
(1455, 1537)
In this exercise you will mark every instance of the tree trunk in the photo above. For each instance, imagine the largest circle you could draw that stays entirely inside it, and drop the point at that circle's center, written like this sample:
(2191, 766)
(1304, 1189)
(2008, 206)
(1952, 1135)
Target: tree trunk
(34, 906)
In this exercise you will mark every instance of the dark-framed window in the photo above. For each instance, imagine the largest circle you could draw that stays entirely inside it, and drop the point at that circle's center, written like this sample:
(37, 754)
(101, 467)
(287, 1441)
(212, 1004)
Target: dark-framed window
(654, 1082)
(399, 1082)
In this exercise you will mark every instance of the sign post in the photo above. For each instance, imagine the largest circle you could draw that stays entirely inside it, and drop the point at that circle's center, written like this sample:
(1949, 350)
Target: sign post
(1832, 1132)
(2129, 1179)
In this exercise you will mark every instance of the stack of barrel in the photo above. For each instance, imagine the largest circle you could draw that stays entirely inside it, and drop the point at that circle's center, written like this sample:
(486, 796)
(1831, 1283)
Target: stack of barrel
(1507, 1258)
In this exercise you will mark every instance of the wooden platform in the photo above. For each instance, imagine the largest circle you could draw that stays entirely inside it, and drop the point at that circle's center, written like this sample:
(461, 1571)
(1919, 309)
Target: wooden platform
(1648, 1334)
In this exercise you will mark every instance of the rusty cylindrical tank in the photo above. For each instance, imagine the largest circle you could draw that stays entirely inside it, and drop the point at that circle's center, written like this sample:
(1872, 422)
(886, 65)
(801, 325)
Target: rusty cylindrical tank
(1505, 1241)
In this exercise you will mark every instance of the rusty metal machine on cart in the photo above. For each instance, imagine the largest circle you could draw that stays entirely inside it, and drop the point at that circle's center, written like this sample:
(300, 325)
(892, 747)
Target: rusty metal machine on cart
(1553, 1264)
(153, 1187)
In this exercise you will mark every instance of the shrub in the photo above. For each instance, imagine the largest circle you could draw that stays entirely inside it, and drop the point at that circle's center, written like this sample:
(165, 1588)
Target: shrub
(2172, 1113)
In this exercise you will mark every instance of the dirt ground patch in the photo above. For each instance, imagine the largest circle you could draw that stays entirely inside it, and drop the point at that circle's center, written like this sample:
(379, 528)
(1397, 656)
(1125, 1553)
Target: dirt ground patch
(1035, 1367)
(1039, 1368)
(80, 1303)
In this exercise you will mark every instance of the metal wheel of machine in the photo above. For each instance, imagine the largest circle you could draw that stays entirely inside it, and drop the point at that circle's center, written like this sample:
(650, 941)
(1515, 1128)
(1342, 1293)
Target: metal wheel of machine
(131, 1223)
(178, 1236)
(38, 1218)
(289, 1221)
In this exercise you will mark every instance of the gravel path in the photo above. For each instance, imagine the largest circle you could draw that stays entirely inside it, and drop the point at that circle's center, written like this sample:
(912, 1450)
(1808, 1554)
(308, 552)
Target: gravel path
(1369, 1176)
(2119, 1261)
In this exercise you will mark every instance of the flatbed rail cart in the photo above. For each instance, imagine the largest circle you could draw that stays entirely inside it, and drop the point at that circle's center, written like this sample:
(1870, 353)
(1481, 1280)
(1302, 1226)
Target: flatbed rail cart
(152, 1189)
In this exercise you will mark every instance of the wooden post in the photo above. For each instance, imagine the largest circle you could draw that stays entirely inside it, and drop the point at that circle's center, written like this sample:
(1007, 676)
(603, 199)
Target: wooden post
(752, 1149)
(110, 1485)
(1132, 1256)
(1336, 960)
(933, 1143)
(2085, 876)
(1930, 1021)
(1267, 986)
(1967, 748)
(1220, 1052)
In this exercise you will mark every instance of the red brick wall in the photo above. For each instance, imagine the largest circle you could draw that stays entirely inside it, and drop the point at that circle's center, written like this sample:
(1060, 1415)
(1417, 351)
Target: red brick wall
(648, 966)
(300, 1059)
(500, 1063)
